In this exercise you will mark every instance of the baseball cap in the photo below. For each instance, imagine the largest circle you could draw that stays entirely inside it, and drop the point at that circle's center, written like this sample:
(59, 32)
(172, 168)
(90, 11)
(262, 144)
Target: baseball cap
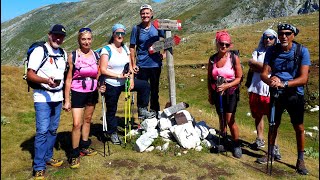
(58, 29)
(146, 6)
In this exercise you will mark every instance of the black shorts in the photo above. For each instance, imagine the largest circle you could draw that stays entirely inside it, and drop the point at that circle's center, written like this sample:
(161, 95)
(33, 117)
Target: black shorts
(80, 99)
(229, 103)
(293, 103)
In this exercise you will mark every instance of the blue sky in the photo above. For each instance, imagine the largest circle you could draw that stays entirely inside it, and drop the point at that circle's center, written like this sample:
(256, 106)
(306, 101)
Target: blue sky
(13, 8)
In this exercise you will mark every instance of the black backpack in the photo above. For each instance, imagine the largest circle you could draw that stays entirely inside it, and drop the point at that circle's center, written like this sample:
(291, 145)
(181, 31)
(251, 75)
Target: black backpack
(46, 55)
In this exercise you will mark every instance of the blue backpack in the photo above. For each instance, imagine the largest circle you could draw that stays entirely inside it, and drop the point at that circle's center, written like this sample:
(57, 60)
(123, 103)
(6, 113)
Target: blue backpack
(109, 50)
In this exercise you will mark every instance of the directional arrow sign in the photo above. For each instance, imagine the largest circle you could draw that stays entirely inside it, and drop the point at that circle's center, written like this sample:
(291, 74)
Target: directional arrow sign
(164, 44)
(167, 24)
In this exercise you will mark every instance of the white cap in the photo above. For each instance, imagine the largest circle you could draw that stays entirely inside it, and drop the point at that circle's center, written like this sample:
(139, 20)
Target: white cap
(146, 6)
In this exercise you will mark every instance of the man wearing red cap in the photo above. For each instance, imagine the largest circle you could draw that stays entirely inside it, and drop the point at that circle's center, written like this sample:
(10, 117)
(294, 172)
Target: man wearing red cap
(48, 97)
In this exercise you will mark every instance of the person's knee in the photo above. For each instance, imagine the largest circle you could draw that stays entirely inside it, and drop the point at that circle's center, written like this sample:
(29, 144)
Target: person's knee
(299, 128)
(77, 125)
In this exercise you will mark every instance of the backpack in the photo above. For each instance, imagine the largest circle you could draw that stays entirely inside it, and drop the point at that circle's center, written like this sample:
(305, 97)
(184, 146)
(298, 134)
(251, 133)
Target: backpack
(138, 33)
(46, 55)
(109, 50)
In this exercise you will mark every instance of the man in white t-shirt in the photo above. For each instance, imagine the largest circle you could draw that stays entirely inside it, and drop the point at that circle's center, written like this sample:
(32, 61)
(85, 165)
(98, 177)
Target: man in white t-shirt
(47, 97)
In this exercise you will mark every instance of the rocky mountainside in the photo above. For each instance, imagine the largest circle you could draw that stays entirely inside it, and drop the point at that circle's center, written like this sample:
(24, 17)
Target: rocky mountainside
(196, 15)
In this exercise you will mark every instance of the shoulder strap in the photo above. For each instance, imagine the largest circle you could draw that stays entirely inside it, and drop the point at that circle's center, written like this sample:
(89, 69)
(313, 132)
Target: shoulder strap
(126, 49)
(138, 34)
(73, 57)
(297, 56)
(45, 56)
(109, 51)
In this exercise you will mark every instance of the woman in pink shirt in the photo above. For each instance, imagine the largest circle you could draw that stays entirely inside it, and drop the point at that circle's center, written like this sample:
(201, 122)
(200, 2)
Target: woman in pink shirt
(82, 83)
(221, 66)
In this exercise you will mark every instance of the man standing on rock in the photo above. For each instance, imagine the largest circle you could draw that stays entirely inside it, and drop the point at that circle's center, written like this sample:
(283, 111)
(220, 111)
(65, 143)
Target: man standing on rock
(289, 64)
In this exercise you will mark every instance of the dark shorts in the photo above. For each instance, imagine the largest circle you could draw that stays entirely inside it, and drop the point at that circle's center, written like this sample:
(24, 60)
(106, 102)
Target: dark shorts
(229, 103)
(80, 99)
(293, 103)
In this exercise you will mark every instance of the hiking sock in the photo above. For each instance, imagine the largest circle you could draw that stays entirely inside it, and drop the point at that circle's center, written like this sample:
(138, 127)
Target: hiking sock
(85, 144)
(300, 155)
(75, 152)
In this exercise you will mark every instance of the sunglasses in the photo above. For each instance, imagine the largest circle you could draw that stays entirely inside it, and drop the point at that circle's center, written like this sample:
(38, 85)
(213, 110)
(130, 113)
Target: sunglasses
(84, 29)
(222, 44)
(284, 33)
(269, 37)
(120, 34)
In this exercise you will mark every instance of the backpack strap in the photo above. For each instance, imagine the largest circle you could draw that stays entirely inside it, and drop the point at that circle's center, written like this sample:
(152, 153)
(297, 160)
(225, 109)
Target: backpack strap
(297, 57)
(138, 34)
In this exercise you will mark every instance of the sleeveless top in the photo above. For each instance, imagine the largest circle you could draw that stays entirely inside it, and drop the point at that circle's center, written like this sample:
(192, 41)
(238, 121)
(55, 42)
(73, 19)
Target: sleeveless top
(85, 72)
(225, 71)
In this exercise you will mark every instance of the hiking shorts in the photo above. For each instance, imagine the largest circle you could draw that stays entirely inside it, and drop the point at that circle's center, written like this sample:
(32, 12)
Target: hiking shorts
(81, 99)
(259, 105)
(229, 103)
(293, 103)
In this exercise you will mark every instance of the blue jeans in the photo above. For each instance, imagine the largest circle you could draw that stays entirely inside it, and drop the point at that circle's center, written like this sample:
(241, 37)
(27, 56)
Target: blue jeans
(47, 122)
(112, 94)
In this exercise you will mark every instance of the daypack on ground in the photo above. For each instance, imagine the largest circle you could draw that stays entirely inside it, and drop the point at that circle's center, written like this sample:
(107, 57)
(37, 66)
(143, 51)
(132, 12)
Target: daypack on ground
(44, 59)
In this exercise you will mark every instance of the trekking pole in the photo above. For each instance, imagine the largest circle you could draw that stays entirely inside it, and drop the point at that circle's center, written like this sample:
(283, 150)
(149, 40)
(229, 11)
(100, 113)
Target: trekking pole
(221, 80)
(132, 113)
(126, 108)
(104, 118)
(275, 96)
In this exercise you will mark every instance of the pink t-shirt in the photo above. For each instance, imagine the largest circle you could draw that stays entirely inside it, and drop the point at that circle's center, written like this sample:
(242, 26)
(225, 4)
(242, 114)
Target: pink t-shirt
(225, 71)
(85, 73)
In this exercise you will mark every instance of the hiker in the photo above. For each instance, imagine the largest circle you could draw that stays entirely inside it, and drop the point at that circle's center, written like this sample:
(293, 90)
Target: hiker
(229, 90)
(116, 72)
(147, 66)
(47, 98)
(288, 76)
(81, 81)
(259, 97)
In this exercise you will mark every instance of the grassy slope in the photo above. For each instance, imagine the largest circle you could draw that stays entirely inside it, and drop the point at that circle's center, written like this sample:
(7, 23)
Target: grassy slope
(124, 163)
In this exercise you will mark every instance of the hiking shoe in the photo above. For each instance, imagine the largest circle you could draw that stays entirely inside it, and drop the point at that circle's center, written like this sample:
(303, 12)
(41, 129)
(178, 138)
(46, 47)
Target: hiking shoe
(54, 162)
(88, 152)
(263, 160)
(276, 152)
(258, 143)
(115, 139)
(301, 168)
(143, 113)
(75, 163)
(237, 152)
(38, 175)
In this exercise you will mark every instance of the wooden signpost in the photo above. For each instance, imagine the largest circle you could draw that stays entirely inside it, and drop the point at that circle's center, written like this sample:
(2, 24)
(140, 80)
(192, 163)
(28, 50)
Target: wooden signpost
(164, 44)
(168, 25)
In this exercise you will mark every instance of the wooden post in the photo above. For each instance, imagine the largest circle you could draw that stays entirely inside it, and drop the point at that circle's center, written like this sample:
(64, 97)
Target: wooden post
(171, 74)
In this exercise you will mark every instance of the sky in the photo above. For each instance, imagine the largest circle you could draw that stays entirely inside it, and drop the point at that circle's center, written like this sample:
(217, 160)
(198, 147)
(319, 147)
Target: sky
(13, 8)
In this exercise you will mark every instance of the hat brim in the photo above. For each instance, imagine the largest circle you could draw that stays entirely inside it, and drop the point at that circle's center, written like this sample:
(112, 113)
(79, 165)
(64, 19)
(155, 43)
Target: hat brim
(58, 32)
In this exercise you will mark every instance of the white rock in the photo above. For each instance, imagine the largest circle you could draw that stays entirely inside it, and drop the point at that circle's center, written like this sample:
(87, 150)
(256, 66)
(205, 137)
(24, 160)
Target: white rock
(185, 152)
(166, 140)
(158, 148)
(212, 131)
(145, 140)
(165, 146)
(178, 154)
(202, 80)
(255, 131)
(133, 132)
(192, 75)
(203, 67)
(314, 128)
(198, 148)
(149, 149)
(166, 134)
(248, 114)
(316, 108)
(186, 135)
(308, 133)
(148, 124)
(165, 123)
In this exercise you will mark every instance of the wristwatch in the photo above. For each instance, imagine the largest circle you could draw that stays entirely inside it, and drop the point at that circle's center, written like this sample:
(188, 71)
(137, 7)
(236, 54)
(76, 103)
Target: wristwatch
(285, 84)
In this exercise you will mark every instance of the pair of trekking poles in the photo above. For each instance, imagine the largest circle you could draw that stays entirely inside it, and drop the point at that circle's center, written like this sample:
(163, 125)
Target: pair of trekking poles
(128, 107)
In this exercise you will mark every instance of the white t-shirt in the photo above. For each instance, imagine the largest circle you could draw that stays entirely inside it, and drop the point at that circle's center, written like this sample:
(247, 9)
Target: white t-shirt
(116, 64)
(53, 67)
(257, 85)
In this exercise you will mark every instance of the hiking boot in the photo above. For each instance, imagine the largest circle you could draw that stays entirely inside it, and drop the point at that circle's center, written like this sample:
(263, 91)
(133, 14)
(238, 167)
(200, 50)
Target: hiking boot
(38, 175)
(115, 139)
(237, 152)
(54, 162)
(88, 152)
(276, 152)
(75, 163)
(263, 160)
(258, 143)
(301, 168)
(143, 113)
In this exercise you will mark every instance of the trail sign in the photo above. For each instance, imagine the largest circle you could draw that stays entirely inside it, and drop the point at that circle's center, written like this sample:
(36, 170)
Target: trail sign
(167, 24)
(164, 44)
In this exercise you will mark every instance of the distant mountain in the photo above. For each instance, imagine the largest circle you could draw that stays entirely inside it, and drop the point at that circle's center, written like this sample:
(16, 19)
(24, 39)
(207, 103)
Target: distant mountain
(196, 15)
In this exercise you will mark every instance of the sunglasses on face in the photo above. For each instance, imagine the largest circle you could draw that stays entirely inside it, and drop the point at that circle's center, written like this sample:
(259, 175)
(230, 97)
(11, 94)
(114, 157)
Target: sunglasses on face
(284, 33)
(222, 44)
(84, 29)
(269, 37)
(120, 34)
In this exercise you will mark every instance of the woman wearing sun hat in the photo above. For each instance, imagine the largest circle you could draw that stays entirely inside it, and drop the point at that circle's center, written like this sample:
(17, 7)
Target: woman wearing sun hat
(221, 65)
